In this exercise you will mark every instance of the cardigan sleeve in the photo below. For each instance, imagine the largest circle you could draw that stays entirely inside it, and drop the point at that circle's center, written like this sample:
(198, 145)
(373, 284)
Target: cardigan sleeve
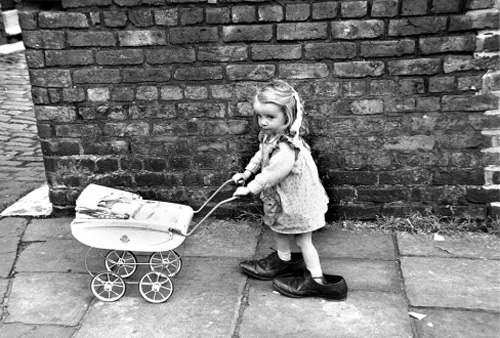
(255, 162)
(280, 165)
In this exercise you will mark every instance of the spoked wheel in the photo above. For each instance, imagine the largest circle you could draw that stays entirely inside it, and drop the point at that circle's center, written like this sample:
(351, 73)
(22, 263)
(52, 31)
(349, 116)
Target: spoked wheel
(123, 263)
(156, 287)
(168, 262)
(108, 286)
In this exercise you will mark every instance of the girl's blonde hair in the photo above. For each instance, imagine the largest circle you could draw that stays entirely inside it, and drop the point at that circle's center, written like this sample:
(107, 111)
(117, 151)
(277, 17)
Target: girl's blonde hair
(283, 95)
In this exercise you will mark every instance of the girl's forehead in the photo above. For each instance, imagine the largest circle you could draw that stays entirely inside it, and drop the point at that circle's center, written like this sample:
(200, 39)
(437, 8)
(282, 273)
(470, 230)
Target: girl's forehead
(268, 107)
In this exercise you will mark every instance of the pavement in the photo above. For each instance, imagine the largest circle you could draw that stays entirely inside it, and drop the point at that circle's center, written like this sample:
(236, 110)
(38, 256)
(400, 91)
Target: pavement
(400, 285)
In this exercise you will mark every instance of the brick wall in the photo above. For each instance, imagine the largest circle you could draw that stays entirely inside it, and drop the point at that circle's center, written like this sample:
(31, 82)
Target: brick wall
(153, 96)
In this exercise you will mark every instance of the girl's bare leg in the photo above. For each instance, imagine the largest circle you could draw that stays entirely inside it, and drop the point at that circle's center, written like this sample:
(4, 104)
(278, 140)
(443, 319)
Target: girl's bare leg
(311, 256)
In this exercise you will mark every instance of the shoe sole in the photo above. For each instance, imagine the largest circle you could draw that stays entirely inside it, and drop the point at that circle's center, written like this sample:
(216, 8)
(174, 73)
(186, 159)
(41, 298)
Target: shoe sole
(285, 293)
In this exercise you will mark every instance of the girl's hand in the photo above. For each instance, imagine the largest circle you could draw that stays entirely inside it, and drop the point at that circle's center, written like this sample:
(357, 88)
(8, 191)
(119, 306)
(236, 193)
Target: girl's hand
(239, 178)
(242, 191)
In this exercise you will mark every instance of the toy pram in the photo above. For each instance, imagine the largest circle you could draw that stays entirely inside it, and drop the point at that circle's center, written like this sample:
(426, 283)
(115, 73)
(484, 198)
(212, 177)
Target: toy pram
(123, 222)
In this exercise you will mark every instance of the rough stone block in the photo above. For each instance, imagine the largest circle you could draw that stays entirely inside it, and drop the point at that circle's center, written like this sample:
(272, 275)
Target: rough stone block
(35, 59)
(69, 57)
(166, 17)
(28, 19)
(54, 20)
(96, 76)
(88, 39)
(55, 113)
(44, 39)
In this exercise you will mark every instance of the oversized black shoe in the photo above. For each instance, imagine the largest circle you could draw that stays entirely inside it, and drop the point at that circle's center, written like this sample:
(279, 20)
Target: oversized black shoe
(305, 286)
(272, 266)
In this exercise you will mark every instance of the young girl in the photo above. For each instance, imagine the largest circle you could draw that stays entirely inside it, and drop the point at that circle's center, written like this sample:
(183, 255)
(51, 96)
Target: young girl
(293, 198)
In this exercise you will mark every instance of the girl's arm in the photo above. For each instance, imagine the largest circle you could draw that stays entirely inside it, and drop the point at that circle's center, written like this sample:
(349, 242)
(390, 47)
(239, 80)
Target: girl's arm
(280, 165)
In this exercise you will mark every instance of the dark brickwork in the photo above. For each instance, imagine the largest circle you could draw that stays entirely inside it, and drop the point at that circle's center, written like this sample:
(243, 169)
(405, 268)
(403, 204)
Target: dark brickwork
(154, 96)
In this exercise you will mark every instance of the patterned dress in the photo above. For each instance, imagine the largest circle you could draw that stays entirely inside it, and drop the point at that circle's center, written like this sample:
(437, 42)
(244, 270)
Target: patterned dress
(293, 197)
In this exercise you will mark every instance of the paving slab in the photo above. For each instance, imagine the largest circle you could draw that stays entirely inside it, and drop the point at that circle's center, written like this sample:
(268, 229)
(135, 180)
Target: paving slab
(222, 238)
(12, 226)
(363, 314)
(48, 228)
(48, 298)
(8, 253)
(205, 304)
(458, 324)
(18, 330)
(453, 283)
(59, 256)
(364, 274)
(466, 246)
(332, 242)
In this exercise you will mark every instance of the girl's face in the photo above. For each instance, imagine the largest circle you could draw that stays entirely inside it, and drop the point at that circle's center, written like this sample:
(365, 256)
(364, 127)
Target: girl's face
(270, 117)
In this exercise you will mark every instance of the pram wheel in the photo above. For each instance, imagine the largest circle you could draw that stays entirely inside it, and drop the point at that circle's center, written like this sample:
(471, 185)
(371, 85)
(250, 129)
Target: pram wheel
(108, 286)
(156, 287)
(123, 263)
(168, 262)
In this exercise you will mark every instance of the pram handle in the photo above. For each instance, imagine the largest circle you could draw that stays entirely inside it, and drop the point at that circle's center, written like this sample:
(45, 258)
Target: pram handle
(190, 232)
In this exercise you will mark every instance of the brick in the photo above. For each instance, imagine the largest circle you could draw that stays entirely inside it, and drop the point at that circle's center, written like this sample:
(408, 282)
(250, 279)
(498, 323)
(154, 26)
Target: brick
(149, 179)
(271, 13)
(132, 75)
(276, 52)
(44, 39)
(408, 143)
(155, 164)
(60, 147)
(382, 195)
(119, 57)
(469, 102)
(423, 66)
(198, 73)
(105, 165)
(428, 104)
(96, 76)
(447, 44)
(202, 109)
(463, 63)
(382, 87)
(73, 95)
(459, 176)
(367, 107)
(69, 57)
(253, 72)
(353, 9)
(35, 58)
(398, 104)
(171, 93)
(166, 17)
(387, 48)
(55, 113)
(126, 129)
(336, 50)
(354, 88)
(405, 177)
(445, 6)
(115, 18)
(417, 26)
(411, 86)
(384, 8)
(324, 10)
(85, 3)
(54, 20)
(54, 95)
(141, 17)
(28, 19)
(474, 20)
(148, 93)
(413, 7)
(40, 95)
(479, 4)
(222, 53)
(247, 33)
(98, 94)
(441, 84)
(352, 177)
(297, 12)
(122, 94)
(302, 31)
(303, 70)
(359, 69)
(187, 35)
(469, 83)
(78, 130)
(50, 78)
(243, 14)
(142, 38)
(327, 88)
(191, 16)
(170, 55)
(479, 195)
(357, 29)
(196, 92)
(90, 39)
(218, 15)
